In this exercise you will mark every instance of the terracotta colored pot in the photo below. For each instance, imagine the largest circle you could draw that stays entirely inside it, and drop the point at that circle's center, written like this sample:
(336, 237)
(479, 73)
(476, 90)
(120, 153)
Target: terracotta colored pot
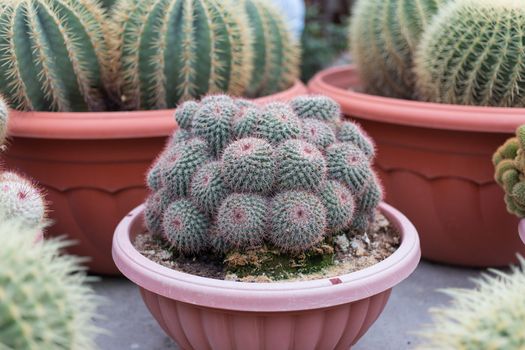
(92, 166)
(203, 313)
(435, 162)
(521, 229)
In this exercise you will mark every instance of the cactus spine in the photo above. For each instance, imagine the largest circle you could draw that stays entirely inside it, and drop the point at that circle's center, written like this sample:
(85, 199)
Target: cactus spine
(384, 35)
(265, 183)
(473, 54)
(55, 55)
(172, 50)
(276, 53)
(45, 302)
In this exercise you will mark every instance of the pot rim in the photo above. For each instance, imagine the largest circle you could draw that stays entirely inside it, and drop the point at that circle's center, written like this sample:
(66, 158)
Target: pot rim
(521, 229)
(110, 125)
(267, 297)
(335, 82)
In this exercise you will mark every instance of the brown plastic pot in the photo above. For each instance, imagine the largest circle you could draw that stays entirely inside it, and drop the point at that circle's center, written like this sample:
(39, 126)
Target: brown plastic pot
(92, 166)
(435, 163)
(203, 313)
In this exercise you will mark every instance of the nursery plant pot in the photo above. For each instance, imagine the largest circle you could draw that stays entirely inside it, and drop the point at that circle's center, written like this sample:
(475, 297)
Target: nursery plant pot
(92, 166)
(435, 163)
(521, 229)
(203, 313)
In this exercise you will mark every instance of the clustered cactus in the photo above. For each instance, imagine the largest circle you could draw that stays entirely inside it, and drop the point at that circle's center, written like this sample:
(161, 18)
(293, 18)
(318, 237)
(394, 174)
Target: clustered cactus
(473, 54)
(53, 55)
(285, 174)
(509, 164)
(45, 302)
(70, 55)
(490, 317)
(384, 35)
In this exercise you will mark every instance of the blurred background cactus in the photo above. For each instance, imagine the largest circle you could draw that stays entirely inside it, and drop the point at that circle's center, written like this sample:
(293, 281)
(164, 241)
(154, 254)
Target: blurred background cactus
(384, 35)
(45, 302)
(267, 186)
(276, 53)
(54, 55)
(492, 316)
(509, 164)
(472, 54)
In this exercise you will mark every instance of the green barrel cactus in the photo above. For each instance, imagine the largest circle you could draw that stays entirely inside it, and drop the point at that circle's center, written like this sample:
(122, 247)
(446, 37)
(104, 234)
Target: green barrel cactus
(276, 52)
(268, 184)
(168, 51)
(509, 172)
(473, 54)
(45, 301)
(384, 35)
(491, 316)
(54, 55)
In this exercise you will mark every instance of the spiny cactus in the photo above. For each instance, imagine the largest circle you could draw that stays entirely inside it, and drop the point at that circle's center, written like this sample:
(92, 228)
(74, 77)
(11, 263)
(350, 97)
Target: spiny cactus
(21, 200)
(384, 35)
(3, 122)
(509, 172)
(491, 316)
(350, 132)
(472, 54)
(54, 55)
(171, 51)
(276, 53)
(266, 183)
(45, 301)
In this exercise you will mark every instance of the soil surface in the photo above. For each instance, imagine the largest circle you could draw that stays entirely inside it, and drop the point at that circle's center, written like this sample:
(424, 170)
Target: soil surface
(353, 252)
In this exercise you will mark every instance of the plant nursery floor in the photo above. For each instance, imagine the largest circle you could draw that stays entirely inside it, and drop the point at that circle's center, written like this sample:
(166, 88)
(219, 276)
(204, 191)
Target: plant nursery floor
(131, 326)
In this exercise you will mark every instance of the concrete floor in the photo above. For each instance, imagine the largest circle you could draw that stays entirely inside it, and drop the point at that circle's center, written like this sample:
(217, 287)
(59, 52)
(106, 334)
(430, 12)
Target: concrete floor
(130, 325)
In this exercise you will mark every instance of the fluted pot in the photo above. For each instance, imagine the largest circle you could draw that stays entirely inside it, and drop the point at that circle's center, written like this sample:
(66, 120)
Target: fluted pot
(435, 163)
(203, 313)
(92, 167)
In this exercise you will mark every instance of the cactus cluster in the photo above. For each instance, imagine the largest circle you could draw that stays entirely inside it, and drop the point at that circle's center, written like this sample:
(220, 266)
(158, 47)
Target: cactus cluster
(45, 302)
(54, 55)
(384, 35)
(242, 176)
(509, 164)
(472, 54)
(492, 316)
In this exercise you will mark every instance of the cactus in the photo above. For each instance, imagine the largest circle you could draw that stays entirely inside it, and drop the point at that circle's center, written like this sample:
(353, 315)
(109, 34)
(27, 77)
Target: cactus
(242, 220)
(351, 132)
(21, 200)
(298, 221)
(491, 316)
(45, 300)
(185, 227)
(171, 51)
(54, 55)
(249, 165)
(3, 122)
(276, 53)
(268, 185)
(301, 166)
(278, 122)
(384, 35)
(185, 113)
(472, 54)
(509, 172)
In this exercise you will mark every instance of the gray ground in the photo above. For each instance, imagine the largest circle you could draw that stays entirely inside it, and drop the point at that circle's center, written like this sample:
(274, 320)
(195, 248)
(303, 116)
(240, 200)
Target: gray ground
(132, 327)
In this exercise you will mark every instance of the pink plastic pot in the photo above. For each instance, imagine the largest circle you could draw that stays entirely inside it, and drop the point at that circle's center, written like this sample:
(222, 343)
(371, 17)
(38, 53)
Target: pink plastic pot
(435, 163)
(203, 313)
(92, 166)
(521, 229)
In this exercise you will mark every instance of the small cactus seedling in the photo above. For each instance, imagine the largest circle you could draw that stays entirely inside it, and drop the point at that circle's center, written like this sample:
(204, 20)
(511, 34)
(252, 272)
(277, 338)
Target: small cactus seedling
(472, 54)
(45, 301)
(246, 177)
(491, 316)
(384, 35)
(172, 51)
(54, 55)
(509, 172)
(276, 53)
